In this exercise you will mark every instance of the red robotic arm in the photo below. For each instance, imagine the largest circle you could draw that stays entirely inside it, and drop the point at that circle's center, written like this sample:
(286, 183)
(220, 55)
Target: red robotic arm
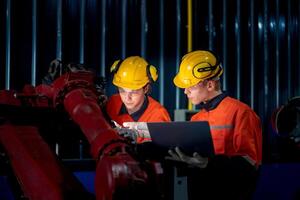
(118, 174)
(116, 168)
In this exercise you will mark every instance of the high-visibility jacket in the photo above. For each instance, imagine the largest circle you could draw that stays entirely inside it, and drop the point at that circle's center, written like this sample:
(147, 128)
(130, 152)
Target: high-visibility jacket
(235, 128)
(154, 112)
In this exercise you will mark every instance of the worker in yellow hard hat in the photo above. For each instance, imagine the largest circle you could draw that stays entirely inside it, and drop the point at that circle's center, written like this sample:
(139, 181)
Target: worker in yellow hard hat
(235, 129)
(133, 77)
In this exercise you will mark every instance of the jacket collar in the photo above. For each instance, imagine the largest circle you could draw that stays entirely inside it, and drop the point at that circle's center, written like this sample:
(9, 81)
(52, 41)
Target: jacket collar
(213, 103)
(136, 115)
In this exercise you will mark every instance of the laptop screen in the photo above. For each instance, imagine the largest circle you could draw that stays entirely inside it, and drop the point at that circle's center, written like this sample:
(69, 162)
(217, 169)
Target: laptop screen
(189, 136)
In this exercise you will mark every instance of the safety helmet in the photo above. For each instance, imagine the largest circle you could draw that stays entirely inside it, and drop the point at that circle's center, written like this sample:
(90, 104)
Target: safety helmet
(133, 73)
(197, 66)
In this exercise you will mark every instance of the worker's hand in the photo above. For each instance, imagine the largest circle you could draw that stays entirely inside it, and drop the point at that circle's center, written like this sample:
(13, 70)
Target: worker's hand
(142, 130)
(195, 161)
(126, 132)
(130, 134)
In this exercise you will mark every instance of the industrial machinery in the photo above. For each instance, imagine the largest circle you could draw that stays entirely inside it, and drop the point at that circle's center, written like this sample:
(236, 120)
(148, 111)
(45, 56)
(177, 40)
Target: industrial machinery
(285, 123)
(29, 126)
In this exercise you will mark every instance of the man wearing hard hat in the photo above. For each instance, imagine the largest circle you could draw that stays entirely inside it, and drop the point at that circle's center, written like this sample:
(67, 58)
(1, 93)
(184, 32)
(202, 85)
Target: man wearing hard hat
(235, 129)
(133, 77)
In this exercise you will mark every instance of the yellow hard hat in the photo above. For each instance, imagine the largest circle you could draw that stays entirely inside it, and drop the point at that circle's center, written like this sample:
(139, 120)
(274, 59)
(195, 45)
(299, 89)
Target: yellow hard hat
(133, 73)
(197, 66)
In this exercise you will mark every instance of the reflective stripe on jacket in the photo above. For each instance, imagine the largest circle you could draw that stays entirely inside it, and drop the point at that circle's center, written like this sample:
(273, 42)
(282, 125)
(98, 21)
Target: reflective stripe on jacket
(154, 112)
(235, 128)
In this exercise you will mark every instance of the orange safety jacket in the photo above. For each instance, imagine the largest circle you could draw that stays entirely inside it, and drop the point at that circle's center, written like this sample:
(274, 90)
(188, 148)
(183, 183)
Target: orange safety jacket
(154, 112)
(235, 128)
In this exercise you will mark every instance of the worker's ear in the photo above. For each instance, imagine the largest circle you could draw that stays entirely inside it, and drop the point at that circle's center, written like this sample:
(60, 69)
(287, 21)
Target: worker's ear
(210, 85)
(147, 89)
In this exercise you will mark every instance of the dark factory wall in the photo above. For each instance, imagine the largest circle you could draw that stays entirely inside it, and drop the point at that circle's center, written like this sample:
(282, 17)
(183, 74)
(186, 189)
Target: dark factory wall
(257, 40)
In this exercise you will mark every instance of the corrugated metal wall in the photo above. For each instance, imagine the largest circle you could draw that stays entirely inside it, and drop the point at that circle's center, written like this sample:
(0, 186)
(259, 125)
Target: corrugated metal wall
(258, 41)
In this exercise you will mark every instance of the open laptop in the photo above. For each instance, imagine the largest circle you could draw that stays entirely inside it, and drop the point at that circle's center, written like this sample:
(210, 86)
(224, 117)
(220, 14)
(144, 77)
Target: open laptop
(189, 136)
